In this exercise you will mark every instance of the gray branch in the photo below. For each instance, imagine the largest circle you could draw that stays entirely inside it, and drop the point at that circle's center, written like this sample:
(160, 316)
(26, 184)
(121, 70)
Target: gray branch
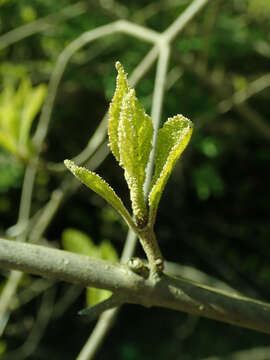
(172, 293)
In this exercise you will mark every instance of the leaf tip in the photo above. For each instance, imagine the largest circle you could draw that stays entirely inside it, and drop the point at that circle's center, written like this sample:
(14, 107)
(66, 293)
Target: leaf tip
(118, 66)
(71, 167)
(69, 164)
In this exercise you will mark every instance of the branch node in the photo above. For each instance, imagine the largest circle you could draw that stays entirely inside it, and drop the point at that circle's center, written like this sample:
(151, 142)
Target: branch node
(138, 266)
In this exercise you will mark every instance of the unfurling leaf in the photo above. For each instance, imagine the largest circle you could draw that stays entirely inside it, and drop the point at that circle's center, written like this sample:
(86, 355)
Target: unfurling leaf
(135, 142)
(172, 139)
(130, 132)
(122, 88)
(100, 186)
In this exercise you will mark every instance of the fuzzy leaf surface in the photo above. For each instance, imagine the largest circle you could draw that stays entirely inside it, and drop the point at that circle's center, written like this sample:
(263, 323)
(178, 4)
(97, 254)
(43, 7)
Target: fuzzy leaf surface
(100, 186)
(135, 143)
(172, 140)
(122, 88)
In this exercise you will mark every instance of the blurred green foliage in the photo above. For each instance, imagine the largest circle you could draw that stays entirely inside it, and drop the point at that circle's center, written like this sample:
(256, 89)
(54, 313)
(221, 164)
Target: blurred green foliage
(207, 182)
(11, 172)
(259, 9)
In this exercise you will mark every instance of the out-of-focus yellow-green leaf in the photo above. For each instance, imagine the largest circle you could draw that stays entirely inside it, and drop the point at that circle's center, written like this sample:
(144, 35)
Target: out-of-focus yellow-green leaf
(107, 251)
(28, 14)
(9, 113)
(18, 110)
(172, 139)
(12, 71)
(240, 82)
(78, 242)
(95, 296)
(259, 9)
(30, 109)
(22, 93)
(8, 143)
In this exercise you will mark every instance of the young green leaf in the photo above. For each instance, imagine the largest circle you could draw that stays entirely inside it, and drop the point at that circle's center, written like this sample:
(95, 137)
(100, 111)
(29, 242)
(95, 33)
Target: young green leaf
(135, 142)
(107, 251)
(130, 132)
(172, 139)
(8, 142)
(9, 129)
(122, 88)
(101, 187)
(8, 112)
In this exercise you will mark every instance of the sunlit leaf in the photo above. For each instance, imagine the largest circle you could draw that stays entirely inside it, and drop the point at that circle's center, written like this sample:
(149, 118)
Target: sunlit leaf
(172, 139)
(122, 88)
(130, 132)
(135, 143)
(23, 91)
(100, 186)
